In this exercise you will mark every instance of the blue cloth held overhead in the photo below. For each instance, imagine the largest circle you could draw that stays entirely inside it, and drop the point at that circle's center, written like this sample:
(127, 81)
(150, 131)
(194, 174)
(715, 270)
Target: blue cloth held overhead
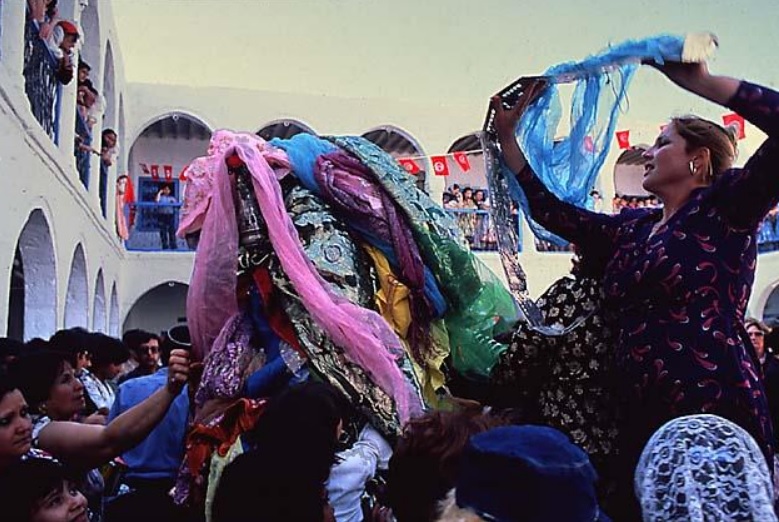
(570, 166)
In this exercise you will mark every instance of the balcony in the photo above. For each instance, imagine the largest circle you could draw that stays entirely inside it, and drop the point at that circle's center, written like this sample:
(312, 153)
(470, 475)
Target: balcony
(40, 83)
(153, 227)
(477, 228)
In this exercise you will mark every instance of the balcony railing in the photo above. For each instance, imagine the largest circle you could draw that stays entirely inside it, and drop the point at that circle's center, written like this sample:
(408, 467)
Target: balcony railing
(768, 235)
(154, 227)
(40, 83)
(477, 227)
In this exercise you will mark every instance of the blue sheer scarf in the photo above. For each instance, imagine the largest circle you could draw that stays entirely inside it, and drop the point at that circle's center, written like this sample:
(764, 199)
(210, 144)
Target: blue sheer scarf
(569, 166)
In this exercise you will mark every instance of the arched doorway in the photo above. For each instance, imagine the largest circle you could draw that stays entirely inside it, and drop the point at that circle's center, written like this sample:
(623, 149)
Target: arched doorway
(771, 309)
(629, 173)
(400, 144)
(157, 157)
(284, 129)
(113, 314)
(98, 308)
(33, 298)
(77, 297)
(15, 327)
(159, 308)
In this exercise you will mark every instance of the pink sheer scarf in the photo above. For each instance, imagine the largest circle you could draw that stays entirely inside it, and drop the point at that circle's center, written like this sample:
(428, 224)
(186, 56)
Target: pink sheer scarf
(367, 340)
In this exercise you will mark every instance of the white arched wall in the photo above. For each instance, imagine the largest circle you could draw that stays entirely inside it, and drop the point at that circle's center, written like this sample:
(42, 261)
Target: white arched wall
(187, 113)
(108, 88)
(433, 186)
(98, 308)
(159, 308)
(289, 121)
(36, 247)
(766, 281)
(90, 48)
(77, 297)
(113, 313)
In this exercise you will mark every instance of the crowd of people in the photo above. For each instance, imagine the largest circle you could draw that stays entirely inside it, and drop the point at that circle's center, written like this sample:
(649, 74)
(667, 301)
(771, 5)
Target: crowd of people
(330, 367)
(470, 208)
(85, 417)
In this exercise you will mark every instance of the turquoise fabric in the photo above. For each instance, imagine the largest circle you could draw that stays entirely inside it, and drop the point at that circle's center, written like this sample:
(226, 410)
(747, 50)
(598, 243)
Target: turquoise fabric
(570, 166)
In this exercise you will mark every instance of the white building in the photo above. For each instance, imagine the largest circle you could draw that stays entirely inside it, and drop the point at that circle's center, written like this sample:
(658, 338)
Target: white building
(61, 261)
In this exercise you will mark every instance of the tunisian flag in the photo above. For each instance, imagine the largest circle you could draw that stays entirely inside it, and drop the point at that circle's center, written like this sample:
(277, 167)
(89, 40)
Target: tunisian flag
(623, 139)
(409, 165)
(462, 159)
(168, 170)
(734, 120)
(155, 172)
(440, 167)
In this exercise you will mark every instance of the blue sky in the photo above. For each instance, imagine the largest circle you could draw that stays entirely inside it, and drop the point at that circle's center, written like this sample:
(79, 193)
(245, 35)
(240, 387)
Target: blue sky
(429, 49)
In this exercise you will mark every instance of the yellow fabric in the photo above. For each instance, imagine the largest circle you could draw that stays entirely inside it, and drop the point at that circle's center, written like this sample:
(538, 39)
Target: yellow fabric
(393, 305)
(218, 465)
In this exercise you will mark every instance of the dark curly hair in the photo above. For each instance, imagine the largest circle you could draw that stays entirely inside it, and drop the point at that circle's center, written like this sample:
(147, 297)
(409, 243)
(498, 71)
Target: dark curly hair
(294, 447)
(424, 465)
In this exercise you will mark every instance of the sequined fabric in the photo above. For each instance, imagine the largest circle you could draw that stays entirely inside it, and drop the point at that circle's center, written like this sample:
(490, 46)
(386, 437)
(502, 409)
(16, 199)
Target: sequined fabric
(480, 307)
(343, 265)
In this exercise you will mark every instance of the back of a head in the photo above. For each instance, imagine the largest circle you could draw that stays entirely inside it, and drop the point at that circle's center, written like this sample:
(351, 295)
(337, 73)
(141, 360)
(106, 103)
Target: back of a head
(703, 467)
(108, 350)
(10, 347)
(71, 342)
(425, 462)
(294, 446)
(251, 477)
(528, 473)
(7, 384)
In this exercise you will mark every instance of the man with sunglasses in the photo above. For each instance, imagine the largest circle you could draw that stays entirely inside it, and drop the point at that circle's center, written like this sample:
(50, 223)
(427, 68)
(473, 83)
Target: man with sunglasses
(145, 346)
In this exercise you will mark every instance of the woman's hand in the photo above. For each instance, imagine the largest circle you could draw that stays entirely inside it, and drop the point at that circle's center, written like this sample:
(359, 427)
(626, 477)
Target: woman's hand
(178, 370)
(690, 76)
(695, 77)
(506, 119)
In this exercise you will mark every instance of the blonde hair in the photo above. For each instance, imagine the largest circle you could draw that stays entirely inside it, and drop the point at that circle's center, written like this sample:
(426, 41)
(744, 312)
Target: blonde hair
(451, 512)
(700, 133)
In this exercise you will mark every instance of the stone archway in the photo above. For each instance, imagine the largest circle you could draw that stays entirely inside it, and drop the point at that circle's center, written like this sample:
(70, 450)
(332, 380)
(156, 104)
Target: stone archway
(284, 129)
(113, 313)
(400, 144)
(629, 172)
(158, 308)
(33, 297)
(77, 297)
(98, 307)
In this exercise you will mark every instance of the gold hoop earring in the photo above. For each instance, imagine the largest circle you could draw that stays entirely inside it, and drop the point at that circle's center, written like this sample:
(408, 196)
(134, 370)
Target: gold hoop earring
(692, 168)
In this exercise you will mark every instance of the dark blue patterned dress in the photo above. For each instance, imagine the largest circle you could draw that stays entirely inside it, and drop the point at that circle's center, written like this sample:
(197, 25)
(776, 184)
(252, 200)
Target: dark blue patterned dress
(678, 297)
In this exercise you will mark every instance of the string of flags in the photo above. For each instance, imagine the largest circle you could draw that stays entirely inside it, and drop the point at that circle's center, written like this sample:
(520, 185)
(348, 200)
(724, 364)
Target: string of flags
(153, 170)
(439, 163)
(732, 120)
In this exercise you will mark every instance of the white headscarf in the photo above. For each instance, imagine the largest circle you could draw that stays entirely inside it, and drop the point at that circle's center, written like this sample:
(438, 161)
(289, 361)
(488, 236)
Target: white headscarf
(703, 468)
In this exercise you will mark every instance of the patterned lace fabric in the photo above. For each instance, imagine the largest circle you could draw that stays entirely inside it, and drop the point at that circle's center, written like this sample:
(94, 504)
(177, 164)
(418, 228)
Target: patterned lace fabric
(703, 468)
(558, 375)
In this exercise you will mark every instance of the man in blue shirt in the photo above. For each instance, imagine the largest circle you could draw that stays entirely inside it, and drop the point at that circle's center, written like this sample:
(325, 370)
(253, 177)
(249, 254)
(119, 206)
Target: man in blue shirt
(153, 464)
